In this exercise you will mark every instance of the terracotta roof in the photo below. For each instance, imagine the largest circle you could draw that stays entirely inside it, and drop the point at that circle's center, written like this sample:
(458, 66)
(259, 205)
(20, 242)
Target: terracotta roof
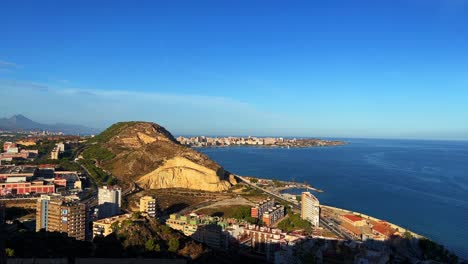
(352, 217)
(383, 228)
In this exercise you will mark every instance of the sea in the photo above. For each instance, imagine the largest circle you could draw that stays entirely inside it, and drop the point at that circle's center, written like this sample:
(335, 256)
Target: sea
(417, 184)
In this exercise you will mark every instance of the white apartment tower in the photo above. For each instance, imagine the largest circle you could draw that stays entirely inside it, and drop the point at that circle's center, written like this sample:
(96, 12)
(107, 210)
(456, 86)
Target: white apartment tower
(109, 201)
(310, 208)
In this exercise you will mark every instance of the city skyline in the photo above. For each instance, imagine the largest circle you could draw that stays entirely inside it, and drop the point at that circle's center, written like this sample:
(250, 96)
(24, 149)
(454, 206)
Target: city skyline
(363, 69)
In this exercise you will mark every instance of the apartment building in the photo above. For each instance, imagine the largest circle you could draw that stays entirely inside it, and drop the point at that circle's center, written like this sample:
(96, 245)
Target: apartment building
(273, 215)
(310, 208)
(57, 214)
(104, 227)
(148, 206)
(262, 207)
(109, 201)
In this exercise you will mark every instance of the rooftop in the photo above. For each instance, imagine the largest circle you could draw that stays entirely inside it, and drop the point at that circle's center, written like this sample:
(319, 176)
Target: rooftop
(113, 219)
(353, 218)
(383, 228)
(68, 175)
(311, 196)
(105, 187)
(17, 169)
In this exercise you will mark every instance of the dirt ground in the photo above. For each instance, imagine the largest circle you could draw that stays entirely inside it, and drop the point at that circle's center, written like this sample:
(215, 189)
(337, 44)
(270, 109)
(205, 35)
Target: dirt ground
(174, 200)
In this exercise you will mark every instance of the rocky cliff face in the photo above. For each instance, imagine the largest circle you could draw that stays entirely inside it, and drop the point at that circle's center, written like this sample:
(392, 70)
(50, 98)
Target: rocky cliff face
(149, 155)
(184, 173)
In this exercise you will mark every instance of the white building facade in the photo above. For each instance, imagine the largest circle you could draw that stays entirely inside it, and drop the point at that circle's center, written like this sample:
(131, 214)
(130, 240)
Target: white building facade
(109, 201)
(310, 208)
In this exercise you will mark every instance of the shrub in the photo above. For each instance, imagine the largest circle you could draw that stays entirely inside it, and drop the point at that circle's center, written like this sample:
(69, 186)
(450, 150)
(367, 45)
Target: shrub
(173, 245)
(294, 222)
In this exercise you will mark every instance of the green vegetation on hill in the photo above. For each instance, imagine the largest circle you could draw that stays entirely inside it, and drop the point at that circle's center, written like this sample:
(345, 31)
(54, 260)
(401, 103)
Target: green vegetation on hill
(94, 153)
(294, 222)
(97, 152)
(113, 130)
(99, 176)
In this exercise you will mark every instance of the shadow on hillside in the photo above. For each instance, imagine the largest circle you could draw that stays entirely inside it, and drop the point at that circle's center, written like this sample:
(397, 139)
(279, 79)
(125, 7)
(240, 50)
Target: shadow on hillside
(255, 246)
(264, 247)
(218, 214)
(174, 208)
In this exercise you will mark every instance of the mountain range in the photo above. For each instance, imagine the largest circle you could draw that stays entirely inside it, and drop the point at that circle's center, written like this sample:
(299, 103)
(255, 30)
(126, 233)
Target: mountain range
(22, 123)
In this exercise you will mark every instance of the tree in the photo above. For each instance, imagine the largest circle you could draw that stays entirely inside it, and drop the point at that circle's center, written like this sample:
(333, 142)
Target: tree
(294, 222)
(407, 235)
(9, 252)
(157, 248)
(173, 244)
(150, 245)
(253, 180)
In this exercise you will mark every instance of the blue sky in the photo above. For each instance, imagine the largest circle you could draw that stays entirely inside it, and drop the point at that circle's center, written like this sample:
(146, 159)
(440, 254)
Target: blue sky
(391, 69)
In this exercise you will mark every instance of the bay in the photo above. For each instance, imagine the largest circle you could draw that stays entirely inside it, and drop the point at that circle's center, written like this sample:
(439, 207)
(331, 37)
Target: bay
(420, 185)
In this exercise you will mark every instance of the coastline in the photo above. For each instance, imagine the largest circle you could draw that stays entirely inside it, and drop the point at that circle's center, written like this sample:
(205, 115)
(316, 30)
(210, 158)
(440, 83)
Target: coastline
(278, 189)
(266, 147)
(364, 158)
(394, 226)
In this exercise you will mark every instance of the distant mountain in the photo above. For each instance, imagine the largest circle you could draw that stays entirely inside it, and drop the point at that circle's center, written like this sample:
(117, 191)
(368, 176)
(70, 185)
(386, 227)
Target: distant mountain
(20, 122)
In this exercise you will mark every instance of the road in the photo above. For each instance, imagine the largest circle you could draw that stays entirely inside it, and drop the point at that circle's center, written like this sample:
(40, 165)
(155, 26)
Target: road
(277, 196)
(91, 201)
(330, 226)
(18, 198)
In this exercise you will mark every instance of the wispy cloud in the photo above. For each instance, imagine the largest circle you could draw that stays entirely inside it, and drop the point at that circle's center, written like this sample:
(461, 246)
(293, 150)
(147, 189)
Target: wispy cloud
(181, 113)
(23, 85)
(6, 65)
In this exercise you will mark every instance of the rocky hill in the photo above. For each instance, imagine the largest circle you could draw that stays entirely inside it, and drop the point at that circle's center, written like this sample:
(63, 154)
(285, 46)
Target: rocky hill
(149, 155)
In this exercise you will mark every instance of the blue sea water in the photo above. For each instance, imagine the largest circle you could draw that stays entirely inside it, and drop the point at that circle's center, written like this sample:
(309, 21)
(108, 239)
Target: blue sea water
(420, 185)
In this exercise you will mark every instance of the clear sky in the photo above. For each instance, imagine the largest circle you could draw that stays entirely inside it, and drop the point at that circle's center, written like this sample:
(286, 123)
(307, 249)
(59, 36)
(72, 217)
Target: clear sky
(387, 68)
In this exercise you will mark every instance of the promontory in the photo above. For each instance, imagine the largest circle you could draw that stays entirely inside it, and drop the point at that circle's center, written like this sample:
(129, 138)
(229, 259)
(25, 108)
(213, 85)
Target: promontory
(147, 154)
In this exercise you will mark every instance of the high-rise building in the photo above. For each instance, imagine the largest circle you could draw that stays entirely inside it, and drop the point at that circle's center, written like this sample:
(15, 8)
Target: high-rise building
(310, 209)
(109, 201)
(42, 212)
(56, 214)
(148, 205)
